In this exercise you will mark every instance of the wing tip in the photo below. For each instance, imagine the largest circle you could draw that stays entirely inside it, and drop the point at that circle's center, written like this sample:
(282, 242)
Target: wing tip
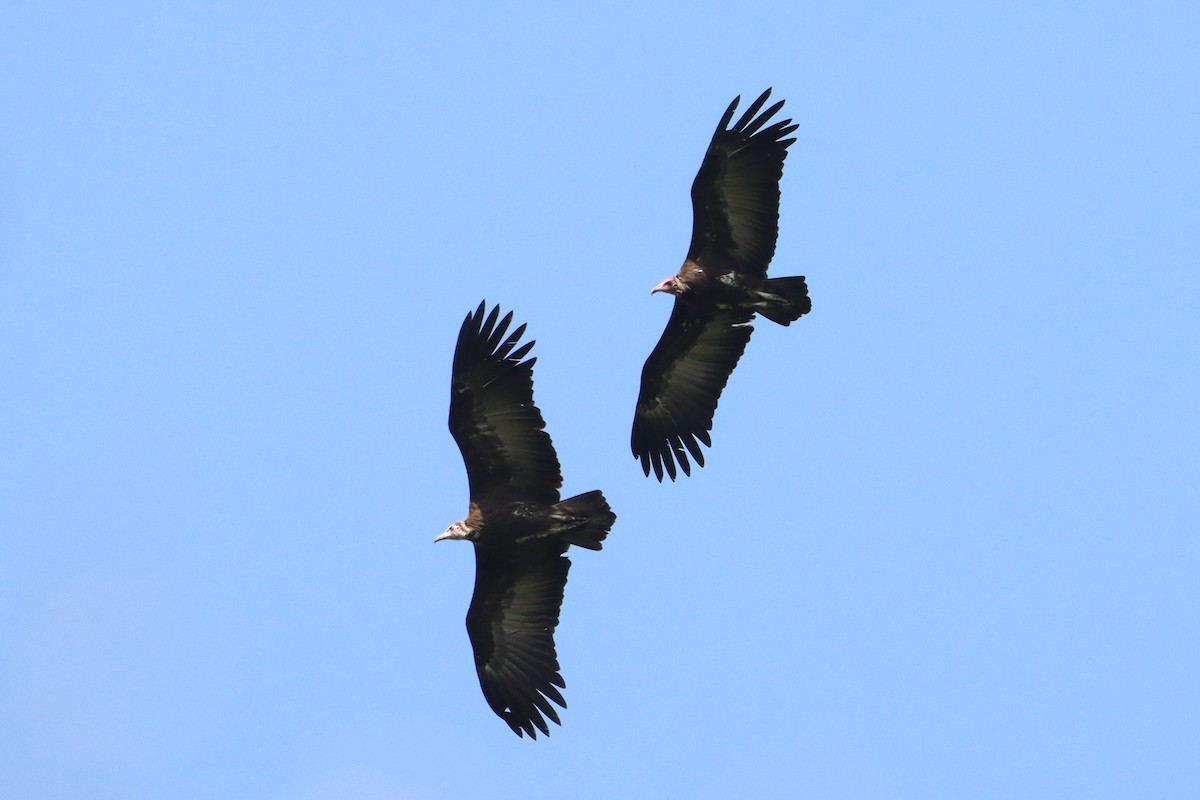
(669, 456)
(533, 718)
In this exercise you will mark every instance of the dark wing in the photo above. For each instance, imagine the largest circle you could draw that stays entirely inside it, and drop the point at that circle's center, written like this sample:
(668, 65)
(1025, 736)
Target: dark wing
(511, 622)
(492, 416)
(735, 197)
(682, 381)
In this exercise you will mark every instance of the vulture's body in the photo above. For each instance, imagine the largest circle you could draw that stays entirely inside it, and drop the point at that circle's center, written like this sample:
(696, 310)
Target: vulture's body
(520, 528)
(722, 284)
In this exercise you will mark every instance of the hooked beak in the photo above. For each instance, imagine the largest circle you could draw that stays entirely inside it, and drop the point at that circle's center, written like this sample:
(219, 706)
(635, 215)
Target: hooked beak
(665, 286)
(446, 535)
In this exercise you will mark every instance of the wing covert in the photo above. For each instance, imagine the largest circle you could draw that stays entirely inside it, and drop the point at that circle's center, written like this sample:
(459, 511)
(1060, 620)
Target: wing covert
(493, 418)
(511, 622)
(681, 382)
(735, 196)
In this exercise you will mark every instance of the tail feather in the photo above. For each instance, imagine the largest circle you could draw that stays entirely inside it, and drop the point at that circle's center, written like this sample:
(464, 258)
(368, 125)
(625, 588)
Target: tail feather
(784, 300)
(585, 519)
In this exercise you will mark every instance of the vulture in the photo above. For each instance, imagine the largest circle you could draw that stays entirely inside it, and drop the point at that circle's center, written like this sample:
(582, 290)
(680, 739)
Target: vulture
(520, 528)
(722, 284)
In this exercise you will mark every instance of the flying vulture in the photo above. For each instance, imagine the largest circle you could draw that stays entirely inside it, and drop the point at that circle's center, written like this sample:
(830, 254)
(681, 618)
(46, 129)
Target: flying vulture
(520, 528)
(722, 284)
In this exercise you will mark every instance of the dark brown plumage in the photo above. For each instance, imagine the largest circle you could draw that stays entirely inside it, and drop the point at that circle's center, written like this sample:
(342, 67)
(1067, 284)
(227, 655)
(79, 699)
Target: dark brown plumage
(722, 284)
(519, 527)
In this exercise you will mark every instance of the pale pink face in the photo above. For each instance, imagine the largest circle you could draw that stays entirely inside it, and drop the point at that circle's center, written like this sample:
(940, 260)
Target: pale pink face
(670, 286)
(455, 531)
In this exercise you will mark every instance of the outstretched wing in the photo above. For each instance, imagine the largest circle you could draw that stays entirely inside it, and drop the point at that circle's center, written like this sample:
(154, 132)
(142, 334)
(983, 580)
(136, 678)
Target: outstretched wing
(735, 196)
(492, 415)
(511, 622)
(681, 383)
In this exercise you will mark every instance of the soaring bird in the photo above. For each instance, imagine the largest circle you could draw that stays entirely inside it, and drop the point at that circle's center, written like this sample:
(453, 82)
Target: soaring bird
(520, 528)
(722, 284)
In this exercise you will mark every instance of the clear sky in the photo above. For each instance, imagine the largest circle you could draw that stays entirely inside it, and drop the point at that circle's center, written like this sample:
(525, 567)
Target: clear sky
(947, 541)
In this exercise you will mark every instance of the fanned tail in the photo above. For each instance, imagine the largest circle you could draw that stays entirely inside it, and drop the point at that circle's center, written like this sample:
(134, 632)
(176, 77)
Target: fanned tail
(585, 519)
(784, 300)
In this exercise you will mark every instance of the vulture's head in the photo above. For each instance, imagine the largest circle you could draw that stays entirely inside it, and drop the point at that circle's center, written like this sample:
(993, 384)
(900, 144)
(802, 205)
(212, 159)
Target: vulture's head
(458, 530)
(671, 285)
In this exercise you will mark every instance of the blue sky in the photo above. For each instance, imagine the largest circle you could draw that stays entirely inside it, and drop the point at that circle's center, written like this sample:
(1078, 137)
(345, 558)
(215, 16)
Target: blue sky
(946, 541)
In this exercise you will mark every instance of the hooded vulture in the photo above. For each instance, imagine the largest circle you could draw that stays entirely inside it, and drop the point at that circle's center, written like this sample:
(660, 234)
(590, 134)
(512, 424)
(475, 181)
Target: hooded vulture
(722, 284)
(520, 528)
